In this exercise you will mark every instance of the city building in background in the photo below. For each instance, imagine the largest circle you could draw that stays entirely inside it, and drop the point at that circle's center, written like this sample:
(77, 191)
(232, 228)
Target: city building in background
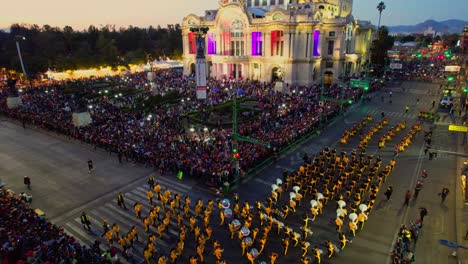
(274, 40)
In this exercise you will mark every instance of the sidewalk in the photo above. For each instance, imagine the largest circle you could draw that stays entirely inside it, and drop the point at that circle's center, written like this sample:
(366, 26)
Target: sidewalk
(461, 210)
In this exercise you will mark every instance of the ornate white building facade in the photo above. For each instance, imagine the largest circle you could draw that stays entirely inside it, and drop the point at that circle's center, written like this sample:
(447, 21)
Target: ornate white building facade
(296, 41)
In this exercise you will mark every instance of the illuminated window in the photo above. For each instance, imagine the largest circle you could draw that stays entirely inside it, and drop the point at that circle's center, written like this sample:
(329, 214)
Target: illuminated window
(257, 44)
(277, 43)
(211, 41)
(316, 43)
(192, 43)
(237, 44)
(237, 39)
(331, 45)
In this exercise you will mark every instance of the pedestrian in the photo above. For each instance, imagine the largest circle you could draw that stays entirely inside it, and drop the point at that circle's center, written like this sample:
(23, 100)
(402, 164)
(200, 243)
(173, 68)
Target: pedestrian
(429, 141)
(407, 197)
(149, 193)
(27, 182)
(422, 213)
(426, 149)
(444, 193)
(417, 189)
(121, 201)
(433, 103)
(119, 156)
(90, 165)
(85, 221)
(388, 192)
(382, 114)
(151, 181)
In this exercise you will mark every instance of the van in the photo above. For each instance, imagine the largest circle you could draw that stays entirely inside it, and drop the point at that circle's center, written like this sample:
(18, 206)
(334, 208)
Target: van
(447, 101)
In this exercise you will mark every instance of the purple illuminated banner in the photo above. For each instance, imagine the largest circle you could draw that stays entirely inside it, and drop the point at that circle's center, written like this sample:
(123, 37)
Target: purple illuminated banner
(257, 44)
(316, 43)
(211, 41)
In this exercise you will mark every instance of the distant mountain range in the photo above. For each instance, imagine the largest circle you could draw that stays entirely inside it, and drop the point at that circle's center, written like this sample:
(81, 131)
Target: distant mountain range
(447, 26)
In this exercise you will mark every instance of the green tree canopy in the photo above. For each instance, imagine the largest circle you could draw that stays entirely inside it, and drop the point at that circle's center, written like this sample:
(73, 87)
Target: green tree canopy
(67, 49)
(380, 48)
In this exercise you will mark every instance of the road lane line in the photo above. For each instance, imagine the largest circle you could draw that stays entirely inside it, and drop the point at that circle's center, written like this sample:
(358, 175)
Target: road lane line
(416, 172)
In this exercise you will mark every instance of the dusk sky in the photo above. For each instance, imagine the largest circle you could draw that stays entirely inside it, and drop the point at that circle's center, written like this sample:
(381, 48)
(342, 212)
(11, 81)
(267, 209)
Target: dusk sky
(82, 13)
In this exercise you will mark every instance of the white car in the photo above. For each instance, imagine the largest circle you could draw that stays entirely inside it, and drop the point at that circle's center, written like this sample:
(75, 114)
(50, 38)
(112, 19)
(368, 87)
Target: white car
(447, 101)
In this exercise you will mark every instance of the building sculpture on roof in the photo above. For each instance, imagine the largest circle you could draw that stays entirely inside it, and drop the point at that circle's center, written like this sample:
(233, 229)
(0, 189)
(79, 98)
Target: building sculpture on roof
(299, 42)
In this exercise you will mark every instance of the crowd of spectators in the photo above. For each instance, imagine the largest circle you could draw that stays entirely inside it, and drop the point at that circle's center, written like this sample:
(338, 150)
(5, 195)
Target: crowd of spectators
(159, 139)
(27, 238)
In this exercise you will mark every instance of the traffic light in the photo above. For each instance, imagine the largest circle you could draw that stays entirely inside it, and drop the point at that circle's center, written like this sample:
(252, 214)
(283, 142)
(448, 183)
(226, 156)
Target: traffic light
(465, 90)
(235, 153)
(350, 101)
(450, 79)
(366, 88)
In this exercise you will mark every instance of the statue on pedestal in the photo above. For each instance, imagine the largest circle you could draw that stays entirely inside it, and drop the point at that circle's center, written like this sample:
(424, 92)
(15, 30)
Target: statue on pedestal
(80, 102)
(12, 91)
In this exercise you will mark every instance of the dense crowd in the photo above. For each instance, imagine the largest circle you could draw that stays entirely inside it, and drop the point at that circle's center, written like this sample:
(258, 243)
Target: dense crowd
(27, 238)
(159, 139)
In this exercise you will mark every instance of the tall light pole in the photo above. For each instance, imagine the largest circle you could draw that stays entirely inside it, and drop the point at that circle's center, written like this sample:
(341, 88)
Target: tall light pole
(18, 38)
(200, 66)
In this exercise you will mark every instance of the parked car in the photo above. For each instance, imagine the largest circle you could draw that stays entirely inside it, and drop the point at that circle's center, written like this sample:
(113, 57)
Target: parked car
(447, 101)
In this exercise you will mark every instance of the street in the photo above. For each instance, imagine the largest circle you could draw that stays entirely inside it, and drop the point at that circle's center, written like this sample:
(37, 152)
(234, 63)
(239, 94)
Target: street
(63, 188)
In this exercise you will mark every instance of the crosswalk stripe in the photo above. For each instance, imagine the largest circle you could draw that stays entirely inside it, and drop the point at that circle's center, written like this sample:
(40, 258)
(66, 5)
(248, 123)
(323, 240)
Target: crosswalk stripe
(78, 233)
(123, 218)
(134, 198)
(94, 216)
(171, 183)
(263, 182)
(84, 238)
(140, 194)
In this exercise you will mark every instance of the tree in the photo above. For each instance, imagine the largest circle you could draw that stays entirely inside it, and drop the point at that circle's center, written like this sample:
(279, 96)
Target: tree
(68, 49)
(380, 48)
(381, 7)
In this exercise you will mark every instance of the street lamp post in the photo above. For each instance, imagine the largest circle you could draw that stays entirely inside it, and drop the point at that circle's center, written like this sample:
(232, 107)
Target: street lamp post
(18, 48)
